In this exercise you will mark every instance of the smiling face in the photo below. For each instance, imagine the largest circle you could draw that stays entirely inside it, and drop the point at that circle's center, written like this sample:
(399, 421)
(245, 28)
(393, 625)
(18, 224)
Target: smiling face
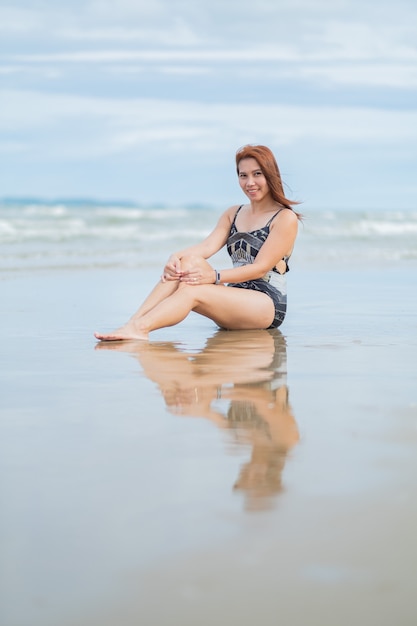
(252, 180)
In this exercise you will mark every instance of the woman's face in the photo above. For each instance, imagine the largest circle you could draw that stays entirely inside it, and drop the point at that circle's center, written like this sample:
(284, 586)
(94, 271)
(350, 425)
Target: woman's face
(252, 180)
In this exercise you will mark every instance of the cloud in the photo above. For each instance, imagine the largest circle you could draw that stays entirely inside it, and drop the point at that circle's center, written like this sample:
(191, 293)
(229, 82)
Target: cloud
(93, 82)
(321, 43)
(84, 128)
(393, 75)
(19, 21)
(344, 28)
(259, 63)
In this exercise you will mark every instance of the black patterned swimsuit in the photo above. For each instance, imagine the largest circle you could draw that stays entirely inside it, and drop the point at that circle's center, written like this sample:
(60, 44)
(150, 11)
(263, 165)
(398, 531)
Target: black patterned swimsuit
(243, 248)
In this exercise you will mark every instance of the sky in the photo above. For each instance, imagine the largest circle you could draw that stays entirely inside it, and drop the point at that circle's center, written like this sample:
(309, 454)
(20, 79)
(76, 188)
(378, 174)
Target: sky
(148, 100)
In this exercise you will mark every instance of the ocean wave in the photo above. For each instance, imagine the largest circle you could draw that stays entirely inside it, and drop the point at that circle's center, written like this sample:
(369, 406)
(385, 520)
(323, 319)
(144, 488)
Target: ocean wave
(38, 235)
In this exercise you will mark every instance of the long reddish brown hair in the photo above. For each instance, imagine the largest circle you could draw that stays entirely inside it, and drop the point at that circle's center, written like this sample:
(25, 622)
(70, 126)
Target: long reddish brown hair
(270, 170)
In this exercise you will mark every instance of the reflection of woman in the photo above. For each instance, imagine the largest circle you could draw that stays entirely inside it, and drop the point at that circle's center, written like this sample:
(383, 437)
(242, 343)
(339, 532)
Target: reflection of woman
(238, 381)
(266, 422)
(259, 237)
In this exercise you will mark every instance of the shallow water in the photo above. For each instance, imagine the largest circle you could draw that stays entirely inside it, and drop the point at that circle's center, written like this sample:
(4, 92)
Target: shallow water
(35, 235)
(209, 477)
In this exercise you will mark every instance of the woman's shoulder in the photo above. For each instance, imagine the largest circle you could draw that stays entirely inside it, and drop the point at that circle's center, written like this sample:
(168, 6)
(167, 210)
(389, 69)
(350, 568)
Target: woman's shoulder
(285, 219)
(233, 210)
(230, 213)
(285, 214)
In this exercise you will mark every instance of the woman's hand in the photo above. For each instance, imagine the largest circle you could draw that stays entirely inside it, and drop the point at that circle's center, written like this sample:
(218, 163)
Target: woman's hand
(172, 269)
(198, 272)
(190, 269)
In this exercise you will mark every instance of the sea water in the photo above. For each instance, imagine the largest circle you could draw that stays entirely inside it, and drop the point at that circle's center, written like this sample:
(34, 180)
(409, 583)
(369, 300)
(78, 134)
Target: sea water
(115, 496)
(51, 235)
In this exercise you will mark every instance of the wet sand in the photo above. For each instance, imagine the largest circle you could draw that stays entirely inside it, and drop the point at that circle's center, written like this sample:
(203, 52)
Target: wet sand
(209, 477)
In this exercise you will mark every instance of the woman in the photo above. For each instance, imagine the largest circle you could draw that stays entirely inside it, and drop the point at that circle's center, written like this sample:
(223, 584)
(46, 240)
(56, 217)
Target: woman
(260, 238)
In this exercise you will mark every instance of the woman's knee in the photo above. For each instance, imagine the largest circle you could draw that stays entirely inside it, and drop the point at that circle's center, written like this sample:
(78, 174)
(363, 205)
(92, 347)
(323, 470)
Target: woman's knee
(191, 261)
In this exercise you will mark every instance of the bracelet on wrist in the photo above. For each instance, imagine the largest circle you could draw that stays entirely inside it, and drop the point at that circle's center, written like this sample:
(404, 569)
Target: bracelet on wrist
(217, 281)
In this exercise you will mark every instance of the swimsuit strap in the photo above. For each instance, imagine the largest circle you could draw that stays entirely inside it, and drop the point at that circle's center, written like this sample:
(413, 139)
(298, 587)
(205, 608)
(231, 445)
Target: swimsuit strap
(234, 219)
(273, 217)
(266, 225)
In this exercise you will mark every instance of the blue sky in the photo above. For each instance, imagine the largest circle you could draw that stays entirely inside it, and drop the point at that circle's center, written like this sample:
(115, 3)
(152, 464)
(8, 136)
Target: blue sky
(149, 100)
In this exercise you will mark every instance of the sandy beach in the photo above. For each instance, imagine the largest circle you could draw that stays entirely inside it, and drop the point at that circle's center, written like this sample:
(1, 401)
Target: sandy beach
(209, 477)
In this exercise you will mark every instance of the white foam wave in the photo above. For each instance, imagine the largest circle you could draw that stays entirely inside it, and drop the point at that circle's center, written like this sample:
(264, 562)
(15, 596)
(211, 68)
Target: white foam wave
(34, 235)
(42, 210)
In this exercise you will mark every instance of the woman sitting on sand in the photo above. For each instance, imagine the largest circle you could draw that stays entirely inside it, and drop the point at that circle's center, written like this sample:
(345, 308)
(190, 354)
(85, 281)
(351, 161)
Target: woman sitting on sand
(259, 237)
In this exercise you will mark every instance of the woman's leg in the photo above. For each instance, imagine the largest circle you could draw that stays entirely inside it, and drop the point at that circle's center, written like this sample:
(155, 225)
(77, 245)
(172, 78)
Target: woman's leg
(229, 307)
(161, 291)
(170, 302)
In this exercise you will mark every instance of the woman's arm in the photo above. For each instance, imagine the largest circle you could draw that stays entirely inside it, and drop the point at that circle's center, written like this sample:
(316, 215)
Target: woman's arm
(278, 244)
(206, 248)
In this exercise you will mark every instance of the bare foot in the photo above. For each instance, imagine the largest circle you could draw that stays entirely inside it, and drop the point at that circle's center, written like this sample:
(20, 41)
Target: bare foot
(124, 333)
(130, 346)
